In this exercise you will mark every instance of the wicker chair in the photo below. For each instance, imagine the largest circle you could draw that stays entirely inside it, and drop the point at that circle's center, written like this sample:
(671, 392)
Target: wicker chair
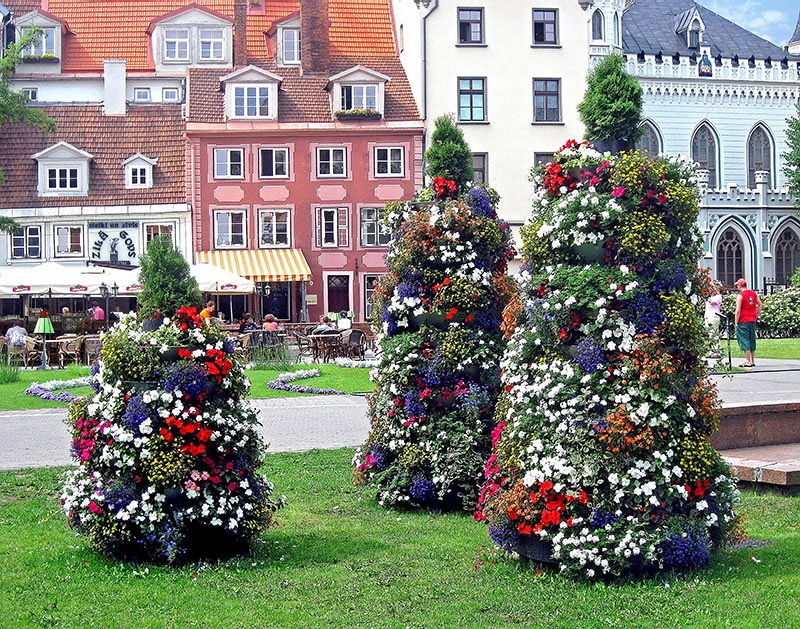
(354, 343)
(29, 354)
(91, 347)
(70, 350)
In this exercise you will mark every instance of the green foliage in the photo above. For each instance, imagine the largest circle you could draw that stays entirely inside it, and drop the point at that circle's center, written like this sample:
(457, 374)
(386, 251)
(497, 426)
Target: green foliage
(449, 155)
(791, 160)
(780, 317)
(167, 280)
(796, 278)
(9, 372)
(14, 105)
(612, 105)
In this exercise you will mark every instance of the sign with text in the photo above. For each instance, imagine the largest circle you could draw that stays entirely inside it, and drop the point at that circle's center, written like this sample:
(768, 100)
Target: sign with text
(114, 241)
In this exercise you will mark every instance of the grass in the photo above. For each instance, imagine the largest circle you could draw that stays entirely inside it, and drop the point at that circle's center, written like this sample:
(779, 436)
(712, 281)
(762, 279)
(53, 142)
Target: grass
(12, 394)
(785, 349)
(339, 560)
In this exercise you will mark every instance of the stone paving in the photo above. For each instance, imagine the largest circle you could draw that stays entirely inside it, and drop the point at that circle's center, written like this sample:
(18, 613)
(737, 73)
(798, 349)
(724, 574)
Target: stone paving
(39, 438)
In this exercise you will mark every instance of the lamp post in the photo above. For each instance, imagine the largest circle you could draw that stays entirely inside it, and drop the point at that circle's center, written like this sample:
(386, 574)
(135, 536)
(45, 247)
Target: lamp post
(263, 290)
(104, 292)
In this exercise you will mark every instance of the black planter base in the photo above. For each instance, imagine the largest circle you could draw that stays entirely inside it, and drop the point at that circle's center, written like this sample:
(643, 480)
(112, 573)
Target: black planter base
(532, 547)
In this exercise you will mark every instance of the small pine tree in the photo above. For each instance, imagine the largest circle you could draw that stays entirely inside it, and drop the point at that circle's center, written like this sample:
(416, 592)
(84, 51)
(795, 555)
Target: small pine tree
(449, 155)
(791, 166)
(167, 280)
(612, 105)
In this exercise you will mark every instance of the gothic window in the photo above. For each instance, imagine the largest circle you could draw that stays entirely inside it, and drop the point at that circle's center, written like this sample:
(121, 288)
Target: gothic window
(597, 26)
(787, 256)
(730, 257)
(759, 154)
(649, 142)
(704, 152)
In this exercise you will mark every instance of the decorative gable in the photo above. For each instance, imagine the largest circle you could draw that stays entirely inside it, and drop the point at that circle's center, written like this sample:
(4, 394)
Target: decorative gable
(690, 25)
(63, 170)
(192, 37)
(251, 92)
(357, 93)
(44, 55)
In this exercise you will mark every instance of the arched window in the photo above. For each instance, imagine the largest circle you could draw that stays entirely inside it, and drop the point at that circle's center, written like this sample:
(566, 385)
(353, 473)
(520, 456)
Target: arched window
(597, 26)
(704, 152)
(694, 35)
(759, 154)
(649, 142)
(617, 33)
(730, 257)
(787, 255)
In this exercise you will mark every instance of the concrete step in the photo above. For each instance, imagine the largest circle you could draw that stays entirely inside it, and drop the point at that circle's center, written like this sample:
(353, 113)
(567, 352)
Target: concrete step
(771, 465)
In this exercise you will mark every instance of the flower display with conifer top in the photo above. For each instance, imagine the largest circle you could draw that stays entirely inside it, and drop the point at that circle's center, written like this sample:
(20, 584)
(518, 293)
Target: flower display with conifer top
(439, 311)
(601, 458)
(167, 447)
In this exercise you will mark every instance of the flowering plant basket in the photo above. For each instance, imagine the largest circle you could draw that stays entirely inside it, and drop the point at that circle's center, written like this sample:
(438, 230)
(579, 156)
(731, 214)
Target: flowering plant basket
(168, 451)
(357, 114)
(601, 447)
(438, 325)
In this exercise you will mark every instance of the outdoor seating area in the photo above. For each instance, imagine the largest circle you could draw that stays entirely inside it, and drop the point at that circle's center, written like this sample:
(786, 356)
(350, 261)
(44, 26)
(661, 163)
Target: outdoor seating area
(59, 351)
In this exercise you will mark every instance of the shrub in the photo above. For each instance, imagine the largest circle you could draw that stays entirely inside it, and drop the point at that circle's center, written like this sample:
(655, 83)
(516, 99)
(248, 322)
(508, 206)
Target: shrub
(167, 280)
(612, 106)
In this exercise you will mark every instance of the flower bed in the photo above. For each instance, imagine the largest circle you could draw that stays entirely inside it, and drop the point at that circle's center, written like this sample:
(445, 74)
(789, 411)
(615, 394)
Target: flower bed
(602, 446)
(437, 378)
(281, 383)
(167, 451)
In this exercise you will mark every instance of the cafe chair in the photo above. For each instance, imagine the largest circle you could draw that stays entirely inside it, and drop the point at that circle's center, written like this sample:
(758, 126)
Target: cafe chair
(70, 350)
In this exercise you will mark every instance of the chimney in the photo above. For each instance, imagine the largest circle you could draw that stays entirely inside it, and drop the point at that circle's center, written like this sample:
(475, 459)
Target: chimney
(240, 32)
(314, 36)
(114, 87)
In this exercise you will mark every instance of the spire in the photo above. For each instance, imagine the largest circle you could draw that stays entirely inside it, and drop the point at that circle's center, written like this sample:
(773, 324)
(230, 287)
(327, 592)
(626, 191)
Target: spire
(794, 42)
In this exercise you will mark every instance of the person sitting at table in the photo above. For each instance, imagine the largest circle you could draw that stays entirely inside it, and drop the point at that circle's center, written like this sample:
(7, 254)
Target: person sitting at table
(324, 325)
(208, 312)
(15, 337)
(271, 323)
(247, 324)
(344, 322)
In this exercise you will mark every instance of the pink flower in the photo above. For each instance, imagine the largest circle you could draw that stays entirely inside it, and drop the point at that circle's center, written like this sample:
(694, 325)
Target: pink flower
(618, 192)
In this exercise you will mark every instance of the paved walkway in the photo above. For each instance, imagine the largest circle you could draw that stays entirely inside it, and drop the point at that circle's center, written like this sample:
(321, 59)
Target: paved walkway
(39, 438)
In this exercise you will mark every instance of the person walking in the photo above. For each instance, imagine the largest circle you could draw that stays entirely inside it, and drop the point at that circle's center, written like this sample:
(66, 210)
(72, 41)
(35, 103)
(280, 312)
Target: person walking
(748, 308)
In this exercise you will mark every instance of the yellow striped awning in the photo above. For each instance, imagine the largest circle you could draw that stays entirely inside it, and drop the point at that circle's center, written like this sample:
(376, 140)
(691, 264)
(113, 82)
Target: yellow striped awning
(261, 265)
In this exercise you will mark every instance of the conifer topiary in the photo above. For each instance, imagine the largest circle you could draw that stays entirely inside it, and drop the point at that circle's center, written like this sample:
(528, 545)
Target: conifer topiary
(167, 280)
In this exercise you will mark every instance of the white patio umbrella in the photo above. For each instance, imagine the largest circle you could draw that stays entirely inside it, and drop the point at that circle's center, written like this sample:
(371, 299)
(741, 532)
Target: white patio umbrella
(210, 279)
(48, 278)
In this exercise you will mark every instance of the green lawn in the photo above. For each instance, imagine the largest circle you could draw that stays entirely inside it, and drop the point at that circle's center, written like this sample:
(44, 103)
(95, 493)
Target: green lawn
(787, 349)
(339, 560)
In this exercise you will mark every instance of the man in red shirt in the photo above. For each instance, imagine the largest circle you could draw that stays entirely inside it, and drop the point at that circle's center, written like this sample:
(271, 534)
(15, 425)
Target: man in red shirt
(748, 307)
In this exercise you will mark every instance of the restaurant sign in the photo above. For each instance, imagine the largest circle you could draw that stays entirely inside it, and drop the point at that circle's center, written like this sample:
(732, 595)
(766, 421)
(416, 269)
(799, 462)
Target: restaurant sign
(115, 241)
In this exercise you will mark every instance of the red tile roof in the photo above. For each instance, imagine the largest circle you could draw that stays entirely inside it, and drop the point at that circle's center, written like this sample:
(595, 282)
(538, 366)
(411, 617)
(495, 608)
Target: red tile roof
(303, 97)
(153, 130)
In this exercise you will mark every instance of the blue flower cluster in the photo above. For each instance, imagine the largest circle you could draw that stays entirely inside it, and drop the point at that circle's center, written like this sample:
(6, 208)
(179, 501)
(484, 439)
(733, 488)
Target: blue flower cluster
(690, 548)
(479, 200)
(601, 518)
(135, 413)
(422, 489)
(189, 378)
(118, 497)
(669, 278)
(589, 355)
(646, 311)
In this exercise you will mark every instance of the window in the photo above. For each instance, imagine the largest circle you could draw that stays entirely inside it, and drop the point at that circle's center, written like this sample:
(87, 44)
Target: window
(730, 257)
(170, 94)
(331, 162)
(693, 35)
(479, 166)
(275, 228)
(26, 242)
(471, 99)
(141, 94)
(617, 32)
(759, 154)
(151, 231)
(139, 176)
(787, 256)
(176, 44)
(332, 227)
(61, 179)
(389, 162)
(229, 228)
(31, 93)
(545, 27)
(338, 297)
(470, 26)
(228, 163)
(372, 232)
(370, 284)
(360, 97)
(542, 159)
(546, 100)
(45, 43)
(704, 152)
(598, 29)
(139, 171)
(649, 142)
(212, 44)
(69, 241)
(289, 39)
(251, 101)
(273, 163)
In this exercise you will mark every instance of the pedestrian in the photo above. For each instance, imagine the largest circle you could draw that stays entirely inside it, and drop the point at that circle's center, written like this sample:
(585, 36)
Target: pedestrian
(208, 312)
(748, 308)
(711, 317)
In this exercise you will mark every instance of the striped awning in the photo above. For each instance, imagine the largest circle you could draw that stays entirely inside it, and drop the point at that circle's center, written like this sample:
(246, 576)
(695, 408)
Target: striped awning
(261, 265)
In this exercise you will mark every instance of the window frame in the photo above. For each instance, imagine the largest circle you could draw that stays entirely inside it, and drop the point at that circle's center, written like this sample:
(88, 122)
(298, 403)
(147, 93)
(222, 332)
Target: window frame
(230, 212)
(598, 20)
(483, 168)
(215, 43)
(350, 100)
(26, 236)
(70, 189)
(470, 92)
(76, 241)
(46, 44)
(752, 168)
(241, 95)
(148, 235)
(370, 232)
(463, 20)
(166, 99)
(331, 161)
(228, 151)
(141, 94)
(714, 172)
(175, 40)
(339, 227)
(274, 150)
(296, 45)
(275, 232)
(546, 93)
(368, 291)
(32, 93)
(389, 161)
(543, 23)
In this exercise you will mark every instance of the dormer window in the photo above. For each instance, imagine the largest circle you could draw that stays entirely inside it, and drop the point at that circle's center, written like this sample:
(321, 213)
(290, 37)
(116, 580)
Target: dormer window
(693, 35)
(251, 93)
(139, 171)
(690, 25)
(358, 92)
(45, 43)
(193, 36)
(212, 42)
(63, 171)
(288, 40)
(176, 44)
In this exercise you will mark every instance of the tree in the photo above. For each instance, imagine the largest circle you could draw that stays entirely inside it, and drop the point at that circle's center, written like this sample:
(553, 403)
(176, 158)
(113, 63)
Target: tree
(167, 280)
(449, 155)
(791, 165)
(612, 105)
